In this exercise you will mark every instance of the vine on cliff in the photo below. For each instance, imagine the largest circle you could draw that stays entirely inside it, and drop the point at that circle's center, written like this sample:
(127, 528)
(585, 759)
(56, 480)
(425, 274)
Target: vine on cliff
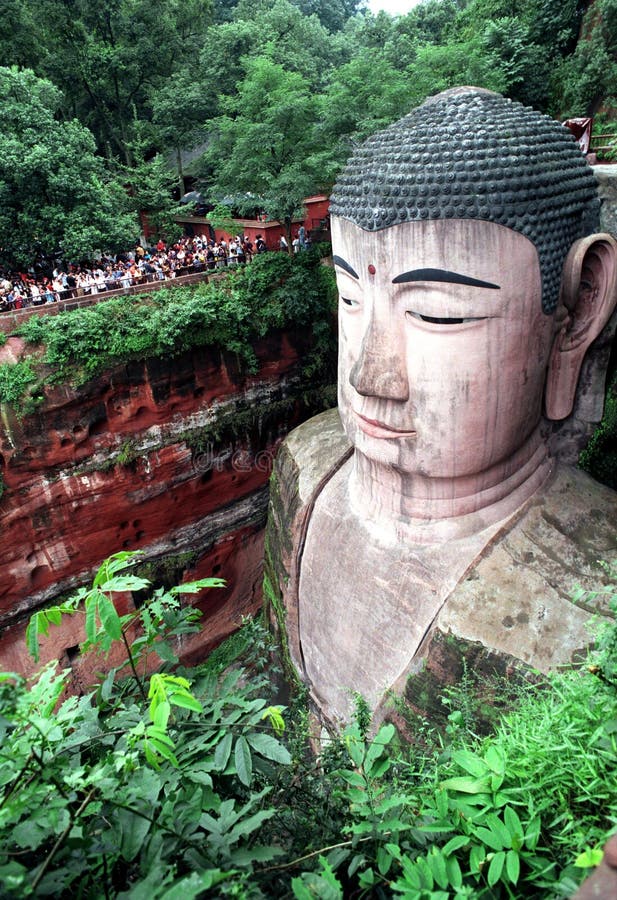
(15, 379)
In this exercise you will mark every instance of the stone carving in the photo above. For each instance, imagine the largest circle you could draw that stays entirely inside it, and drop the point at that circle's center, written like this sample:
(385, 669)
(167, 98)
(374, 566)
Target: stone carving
(470, 289)
(472, 154)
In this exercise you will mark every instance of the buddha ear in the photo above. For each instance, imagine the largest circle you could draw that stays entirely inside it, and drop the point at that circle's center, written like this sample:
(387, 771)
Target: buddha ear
(588, 298)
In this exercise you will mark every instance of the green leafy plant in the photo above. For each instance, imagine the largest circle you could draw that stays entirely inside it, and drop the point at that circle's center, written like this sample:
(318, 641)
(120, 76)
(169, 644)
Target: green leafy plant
(378, 814)
(604, 661)
(178, 782)
(15, 379)
(128, 454)
(146, 785)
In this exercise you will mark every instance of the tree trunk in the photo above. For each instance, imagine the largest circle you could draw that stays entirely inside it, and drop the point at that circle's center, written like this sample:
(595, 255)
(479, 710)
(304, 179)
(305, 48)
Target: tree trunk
(180, 171)
(287, 228)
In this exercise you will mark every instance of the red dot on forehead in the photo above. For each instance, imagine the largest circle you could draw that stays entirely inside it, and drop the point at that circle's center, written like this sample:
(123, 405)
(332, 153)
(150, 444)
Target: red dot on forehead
(372, 269)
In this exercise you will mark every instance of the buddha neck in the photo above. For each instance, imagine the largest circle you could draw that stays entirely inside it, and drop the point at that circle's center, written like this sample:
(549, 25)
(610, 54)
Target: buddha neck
(426, 509)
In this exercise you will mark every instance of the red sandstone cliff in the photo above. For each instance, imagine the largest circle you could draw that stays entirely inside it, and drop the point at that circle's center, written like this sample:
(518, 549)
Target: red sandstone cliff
(170, 456)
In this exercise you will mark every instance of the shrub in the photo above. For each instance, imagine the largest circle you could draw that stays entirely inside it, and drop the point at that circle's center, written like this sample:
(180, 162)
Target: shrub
(15, 379)
(179, 785)
(144, 786)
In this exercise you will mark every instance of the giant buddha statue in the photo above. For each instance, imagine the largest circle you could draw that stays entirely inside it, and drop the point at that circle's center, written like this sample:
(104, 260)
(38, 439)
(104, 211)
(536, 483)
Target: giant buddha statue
(472, 284)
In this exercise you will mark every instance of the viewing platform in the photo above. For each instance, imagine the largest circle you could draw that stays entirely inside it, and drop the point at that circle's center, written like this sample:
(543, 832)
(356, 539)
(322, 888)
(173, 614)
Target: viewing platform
(10, 319)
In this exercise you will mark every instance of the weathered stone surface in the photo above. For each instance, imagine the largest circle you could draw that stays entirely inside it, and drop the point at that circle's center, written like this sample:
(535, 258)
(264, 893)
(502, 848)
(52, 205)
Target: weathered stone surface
(300, 469)
(320, 443)
(606, 176)
(158, 401)
(484, 680)
(508, 599)
(171, 457)
(518, 597)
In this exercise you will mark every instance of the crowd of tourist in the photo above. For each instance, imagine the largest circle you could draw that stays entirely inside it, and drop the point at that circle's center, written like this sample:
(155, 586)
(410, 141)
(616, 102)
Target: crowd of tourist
(139, 266)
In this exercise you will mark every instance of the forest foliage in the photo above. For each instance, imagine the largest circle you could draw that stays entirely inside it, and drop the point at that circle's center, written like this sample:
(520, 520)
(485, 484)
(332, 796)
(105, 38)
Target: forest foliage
(269, 95)
(180, 783)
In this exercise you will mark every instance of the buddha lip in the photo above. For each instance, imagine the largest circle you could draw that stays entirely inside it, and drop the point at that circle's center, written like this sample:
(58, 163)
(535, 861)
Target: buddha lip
(378, 429)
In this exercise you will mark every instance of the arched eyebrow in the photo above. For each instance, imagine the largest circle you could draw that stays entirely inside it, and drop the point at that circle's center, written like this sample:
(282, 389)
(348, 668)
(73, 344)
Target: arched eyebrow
(343, 264)
(444, 276)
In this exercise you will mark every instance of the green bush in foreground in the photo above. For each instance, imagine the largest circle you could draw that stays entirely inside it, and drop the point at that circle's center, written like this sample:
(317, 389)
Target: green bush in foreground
(145, 785)
(181, 785)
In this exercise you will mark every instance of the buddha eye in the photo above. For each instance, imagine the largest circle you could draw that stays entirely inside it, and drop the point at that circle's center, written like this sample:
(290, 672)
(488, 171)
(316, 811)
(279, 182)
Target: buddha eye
(349, 302)
(439, 320)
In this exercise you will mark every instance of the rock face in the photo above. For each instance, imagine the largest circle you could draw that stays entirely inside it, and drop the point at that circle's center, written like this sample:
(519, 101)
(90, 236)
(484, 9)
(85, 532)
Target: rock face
(606, 176)
(168, 456)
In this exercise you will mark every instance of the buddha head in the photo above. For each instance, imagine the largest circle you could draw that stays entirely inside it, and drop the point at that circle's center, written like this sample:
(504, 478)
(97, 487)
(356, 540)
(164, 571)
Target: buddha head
(471, 284)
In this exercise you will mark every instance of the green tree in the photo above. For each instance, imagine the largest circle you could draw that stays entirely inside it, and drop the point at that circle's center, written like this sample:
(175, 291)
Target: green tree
(521, 43)
(181, 109)
(429, 23)
(21, 41)
(432, 20)
(520, 68)
(184, 104)
(493, 51)
(439, 67)
(136, 785)
(107, 58)
(368, 31)
(150, 184)
(331, 13)
(589, 75)
(364, 95)
(55, 195)
(273, 28)
(555, 25)
(263, 154)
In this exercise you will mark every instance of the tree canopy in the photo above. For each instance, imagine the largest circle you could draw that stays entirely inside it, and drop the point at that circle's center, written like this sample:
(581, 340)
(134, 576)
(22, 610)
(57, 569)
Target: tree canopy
(275, 92)
(262, 153)
(56, 196)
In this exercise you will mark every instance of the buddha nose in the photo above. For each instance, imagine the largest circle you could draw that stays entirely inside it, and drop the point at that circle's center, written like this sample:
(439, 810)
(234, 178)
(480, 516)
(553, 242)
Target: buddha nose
(381, 367)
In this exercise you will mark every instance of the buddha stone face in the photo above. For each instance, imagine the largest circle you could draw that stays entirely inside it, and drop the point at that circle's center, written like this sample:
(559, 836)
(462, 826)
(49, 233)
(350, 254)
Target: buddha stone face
(443, 344)
(460, 236)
